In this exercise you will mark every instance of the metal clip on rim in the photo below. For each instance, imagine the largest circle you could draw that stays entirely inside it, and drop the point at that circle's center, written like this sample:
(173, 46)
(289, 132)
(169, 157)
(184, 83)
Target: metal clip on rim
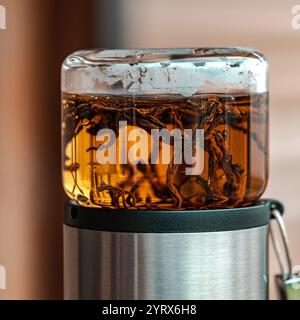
(285, 265)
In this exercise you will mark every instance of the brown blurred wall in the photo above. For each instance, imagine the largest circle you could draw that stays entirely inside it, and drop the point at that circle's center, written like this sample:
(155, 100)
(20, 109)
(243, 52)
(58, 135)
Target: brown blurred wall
(39, 35)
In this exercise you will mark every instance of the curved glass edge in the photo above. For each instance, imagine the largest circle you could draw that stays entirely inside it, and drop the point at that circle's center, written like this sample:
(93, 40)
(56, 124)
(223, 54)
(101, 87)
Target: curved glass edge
(183, 71)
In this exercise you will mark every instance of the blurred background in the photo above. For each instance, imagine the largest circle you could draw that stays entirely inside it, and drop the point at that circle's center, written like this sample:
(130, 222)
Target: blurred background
(40, 34)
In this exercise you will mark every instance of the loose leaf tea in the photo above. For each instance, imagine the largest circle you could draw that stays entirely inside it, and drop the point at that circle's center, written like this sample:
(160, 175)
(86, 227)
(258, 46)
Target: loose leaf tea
(112, 160)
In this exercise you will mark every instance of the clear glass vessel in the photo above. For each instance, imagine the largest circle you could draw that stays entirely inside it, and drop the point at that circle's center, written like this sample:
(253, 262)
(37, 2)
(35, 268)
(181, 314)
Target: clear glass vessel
(165, 129)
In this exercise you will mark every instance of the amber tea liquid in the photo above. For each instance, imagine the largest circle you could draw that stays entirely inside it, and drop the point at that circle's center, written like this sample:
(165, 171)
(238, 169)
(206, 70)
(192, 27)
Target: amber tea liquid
(134, 171)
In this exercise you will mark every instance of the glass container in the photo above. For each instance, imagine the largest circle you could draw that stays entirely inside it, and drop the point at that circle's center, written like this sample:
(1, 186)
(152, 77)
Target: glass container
(165, 129)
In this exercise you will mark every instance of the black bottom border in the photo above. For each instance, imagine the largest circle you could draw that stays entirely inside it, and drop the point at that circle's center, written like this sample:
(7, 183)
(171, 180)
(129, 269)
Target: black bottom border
(188, 309)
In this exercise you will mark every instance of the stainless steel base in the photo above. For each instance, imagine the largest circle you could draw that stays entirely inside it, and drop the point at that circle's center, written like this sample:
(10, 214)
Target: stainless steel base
(207, 265)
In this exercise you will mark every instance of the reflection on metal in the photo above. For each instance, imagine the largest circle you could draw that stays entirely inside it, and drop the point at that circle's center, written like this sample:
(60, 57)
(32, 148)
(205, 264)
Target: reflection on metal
(208, 265)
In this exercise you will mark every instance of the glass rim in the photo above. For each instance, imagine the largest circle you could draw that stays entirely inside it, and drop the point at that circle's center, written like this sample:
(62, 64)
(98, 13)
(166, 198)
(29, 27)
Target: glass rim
(154, 55)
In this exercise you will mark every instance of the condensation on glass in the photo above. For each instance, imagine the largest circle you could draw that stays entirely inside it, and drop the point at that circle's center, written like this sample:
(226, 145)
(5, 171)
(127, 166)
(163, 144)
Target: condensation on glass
(166, 129)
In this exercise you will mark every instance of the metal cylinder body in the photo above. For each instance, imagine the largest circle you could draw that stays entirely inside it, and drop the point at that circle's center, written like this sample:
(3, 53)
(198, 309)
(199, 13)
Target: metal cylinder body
(208, 265)
(209, 254)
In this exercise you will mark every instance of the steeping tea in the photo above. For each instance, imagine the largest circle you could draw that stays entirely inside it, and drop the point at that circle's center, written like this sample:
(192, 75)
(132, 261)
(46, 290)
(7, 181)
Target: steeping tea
(165, 152)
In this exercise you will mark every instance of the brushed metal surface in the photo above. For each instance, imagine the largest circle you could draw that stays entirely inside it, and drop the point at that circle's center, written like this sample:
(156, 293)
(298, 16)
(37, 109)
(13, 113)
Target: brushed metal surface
(209, 265)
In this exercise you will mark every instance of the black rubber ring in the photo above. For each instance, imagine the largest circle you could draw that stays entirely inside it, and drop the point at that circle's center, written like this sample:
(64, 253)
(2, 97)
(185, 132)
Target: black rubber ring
(169, 221)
